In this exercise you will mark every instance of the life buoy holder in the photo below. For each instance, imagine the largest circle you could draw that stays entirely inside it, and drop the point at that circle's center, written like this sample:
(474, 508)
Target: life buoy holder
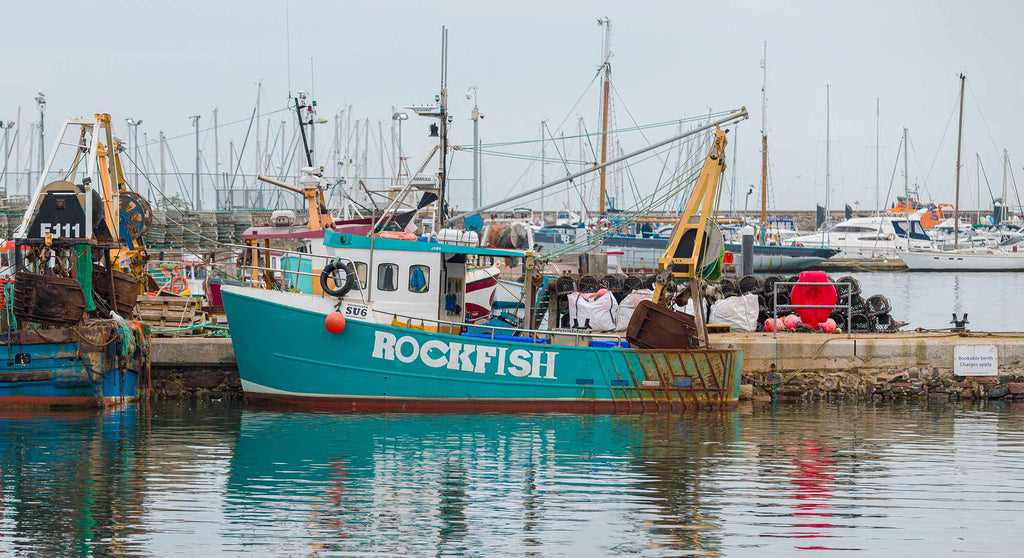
(342, 273)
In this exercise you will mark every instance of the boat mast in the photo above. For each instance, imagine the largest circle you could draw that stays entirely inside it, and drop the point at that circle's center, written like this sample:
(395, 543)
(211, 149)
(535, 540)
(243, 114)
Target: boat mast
(877, 153)
(1002, 206)
(906, 184)
(828, 142)
(439, 221)
(959, 145)
(606, 64)
(542, 161)
(764, 137)
(977, 182)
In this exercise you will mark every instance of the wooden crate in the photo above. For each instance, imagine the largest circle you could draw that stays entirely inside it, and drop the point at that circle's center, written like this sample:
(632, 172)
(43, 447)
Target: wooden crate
(166, 311)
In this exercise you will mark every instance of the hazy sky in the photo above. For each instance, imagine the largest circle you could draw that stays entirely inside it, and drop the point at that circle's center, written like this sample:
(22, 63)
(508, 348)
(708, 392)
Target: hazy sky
(162, 61)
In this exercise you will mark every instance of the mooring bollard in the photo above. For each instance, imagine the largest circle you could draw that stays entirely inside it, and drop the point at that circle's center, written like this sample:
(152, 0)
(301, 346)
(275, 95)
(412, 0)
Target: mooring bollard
(747, 251)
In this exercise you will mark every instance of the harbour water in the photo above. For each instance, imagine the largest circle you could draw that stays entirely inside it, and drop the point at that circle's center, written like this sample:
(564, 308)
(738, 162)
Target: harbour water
(921, 479)
(928, 300)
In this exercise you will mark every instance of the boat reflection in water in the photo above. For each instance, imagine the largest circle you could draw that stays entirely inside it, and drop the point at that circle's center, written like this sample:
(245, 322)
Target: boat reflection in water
(475, 485)
(922, 479)
(70, 480)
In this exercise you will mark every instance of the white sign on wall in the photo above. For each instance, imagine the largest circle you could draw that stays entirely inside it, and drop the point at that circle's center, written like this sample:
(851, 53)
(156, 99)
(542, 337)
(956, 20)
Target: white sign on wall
(975, 360)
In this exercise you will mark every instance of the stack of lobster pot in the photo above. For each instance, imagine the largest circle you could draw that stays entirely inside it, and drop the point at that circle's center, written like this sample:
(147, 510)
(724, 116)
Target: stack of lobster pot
(879, 317)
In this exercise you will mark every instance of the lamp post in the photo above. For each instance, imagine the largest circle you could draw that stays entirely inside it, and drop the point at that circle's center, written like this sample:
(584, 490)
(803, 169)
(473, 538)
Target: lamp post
(135, 144)
(400, 117)
(475, 116)
(41, 103)
(7, 146)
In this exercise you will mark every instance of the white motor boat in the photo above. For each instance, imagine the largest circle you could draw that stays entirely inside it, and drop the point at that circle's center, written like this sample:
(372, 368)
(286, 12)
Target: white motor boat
(869, 238)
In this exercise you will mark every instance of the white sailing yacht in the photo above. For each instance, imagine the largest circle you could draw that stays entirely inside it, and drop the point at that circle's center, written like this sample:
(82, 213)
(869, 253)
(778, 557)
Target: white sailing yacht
(957, 259)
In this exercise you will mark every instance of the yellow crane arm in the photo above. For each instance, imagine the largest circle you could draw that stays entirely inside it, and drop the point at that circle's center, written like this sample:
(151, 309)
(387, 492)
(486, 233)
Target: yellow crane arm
(682, 256)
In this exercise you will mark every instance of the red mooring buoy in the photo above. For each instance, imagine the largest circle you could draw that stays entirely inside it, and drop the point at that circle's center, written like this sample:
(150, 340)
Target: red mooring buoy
(817, 295)
(334, 322)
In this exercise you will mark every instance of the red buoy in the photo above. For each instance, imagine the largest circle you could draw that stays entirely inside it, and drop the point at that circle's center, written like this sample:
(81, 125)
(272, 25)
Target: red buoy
(335, 322)
(773, 324)
(791, 321)
(816, 295)
(829, 326)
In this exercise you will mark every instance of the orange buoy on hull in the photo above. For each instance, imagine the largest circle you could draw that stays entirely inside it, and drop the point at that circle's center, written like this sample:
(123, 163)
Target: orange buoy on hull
(335, 322)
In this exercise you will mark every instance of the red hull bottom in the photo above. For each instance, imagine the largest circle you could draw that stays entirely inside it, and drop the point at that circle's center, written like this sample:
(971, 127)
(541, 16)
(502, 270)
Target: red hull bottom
(42, 402)
(382, 404)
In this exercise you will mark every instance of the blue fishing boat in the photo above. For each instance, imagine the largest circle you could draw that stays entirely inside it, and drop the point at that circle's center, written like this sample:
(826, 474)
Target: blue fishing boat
(76, 258)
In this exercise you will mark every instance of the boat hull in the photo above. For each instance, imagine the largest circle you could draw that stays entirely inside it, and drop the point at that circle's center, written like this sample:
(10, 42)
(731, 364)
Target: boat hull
(60, 368)
(376, 367)
(965, 261)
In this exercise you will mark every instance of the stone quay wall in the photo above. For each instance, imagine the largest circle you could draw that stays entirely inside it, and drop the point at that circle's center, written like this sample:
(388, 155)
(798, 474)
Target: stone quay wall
(194, 368)
(790, 367)
(809, 366)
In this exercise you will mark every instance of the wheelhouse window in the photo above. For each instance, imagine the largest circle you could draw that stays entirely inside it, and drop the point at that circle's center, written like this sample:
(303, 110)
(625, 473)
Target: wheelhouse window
(387, 277)
(361, 269)
(419, 279)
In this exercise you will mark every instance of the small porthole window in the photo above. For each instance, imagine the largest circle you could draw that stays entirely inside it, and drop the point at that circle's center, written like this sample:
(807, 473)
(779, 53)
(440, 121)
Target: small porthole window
(419, 279)
(387, 277)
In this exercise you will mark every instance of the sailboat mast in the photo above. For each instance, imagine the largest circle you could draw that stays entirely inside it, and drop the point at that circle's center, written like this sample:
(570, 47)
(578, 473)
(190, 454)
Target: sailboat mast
(828, 145)
(878, 142)
(977, 182)
(764, 136)
(1002, 206)
(906, 182)
(607, 23)
(959, 146)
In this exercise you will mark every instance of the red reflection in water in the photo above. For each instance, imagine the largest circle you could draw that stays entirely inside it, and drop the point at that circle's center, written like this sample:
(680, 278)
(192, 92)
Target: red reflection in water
(813, 478)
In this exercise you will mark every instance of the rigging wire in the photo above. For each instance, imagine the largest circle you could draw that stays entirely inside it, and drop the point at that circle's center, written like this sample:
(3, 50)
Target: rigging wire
(943, 138)
(192, 133)
(983, 121)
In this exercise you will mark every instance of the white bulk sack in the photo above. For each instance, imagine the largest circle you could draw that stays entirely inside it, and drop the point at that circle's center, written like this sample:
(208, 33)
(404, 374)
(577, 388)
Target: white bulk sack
(593, 311)
(628, 306)
(738, 312)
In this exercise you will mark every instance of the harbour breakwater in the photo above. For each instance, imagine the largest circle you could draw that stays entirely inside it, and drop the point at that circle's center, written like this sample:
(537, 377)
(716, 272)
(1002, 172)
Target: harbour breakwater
(791, 367)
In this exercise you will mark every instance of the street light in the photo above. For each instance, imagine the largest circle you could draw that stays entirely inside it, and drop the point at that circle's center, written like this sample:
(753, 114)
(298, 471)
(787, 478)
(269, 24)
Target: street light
(41, 103)
(475, 116)
(7, 147)
(400, 117)
(135, 144)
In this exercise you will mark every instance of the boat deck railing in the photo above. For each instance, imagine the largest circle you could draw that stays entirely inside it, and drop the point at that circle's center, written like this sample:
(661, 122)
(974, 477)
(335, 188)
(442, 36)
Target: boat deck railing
(510, 333)
(288, 276)
(495, 332)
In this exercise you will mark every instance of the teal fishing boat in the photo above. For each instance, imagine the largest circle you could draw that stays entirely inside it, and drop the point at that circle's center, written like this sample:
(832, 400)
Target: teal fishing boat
(387, 329)
(446, 366)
